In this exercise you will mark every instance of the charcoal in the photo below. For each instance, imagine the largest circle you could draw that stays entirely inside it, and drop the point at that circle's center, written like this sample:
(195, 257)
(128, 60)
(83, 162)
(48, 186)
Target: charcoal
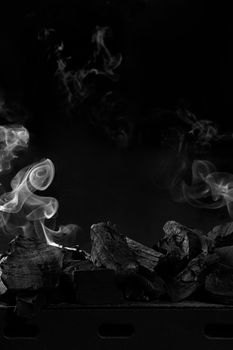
(31, 264)
(132, 262)
(179, 245)
(76, 265)
(222, 235)
(147, 258)
(3, 288)
(192, 277)
(72, 258)
(80, 254)
(219, 284)
(170, 265)
(185, 263)
(136, 287)
(84, 283)
(225, 254)
(110, 249)
(97, 286)
(182, 242)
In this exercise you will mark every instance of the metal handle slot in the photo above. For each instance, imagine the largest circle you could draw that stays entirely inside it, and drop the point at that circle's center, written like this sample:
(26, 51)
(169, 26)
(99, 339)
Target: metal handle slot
(219, 331)
(116, 330)
(17, 331)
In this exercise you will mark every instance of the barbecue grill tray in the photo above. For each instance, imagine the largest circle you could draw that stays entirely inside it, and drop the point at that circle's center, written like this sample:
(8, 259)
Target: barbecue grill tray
(184, 325)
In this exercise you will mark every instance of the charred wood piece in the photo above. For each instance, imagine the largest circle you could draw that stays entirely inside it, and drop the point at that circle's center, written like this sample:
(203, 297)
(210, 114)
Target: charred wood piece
(132, 262)
(192, 277)
(219, 284)
(182, 242)
(31, 264)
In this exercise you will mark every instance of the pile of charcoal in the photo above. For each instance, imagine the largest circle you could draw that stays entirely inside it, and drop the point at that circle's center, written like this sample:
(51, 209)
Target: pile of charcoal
(184, 264)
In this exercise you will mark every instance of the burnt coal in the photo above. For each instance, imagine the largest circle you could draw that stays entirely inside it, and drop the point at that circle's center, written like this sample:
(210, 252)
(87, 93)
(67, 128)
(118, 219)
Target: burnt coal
(184, 264)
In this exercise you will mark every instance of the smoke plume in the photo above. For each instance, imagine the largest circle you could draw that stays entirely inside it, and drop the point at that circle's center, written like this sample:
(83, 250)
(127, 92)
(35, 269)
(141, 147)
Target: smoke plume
(208, 187)
(12, 139)
(22, 209)
(75, 81)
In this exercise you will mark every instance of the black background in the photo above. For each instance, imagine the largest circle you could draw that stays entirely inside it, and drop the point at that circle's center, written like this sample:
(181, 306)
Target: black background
(172, 51)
